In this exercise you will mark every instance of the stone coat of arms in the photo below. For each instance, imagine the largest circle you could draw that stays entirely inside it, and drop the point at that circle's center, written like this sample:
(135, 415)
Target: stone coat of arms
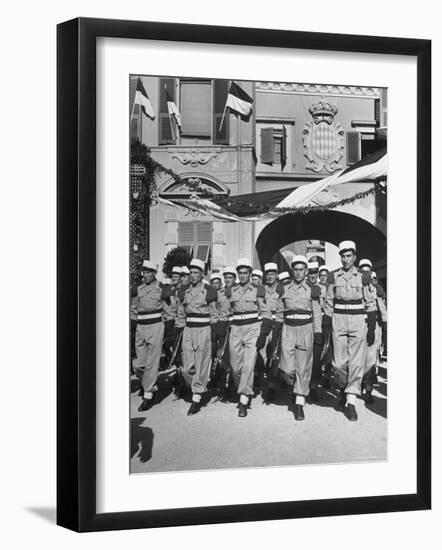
(323, 139)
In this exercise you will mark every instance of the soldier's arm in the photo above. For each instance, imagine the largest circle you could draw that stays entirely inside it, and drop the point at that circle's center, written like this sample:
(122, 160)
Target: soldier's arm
(382, 308)
(263, 308)
(279, 315)
(212, 298)
(317, 316)
(180, 319)
(166, 303)
(369, 296)
(329, 298)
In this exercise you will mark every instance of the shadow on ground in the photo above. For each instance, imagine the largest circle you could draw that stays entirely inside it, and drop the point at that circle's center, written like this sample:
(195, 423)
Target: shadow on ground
(48, 514)
(141, 440)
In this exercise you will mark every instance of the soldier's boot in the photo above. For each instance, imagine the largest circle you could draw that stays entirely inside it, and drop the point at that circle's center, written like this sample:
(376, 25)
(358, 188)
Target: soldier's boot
(242, 410)
(194, 408)
(299, 412)
(352, 415)
(146, 404)
(368, 398)
(342, 400)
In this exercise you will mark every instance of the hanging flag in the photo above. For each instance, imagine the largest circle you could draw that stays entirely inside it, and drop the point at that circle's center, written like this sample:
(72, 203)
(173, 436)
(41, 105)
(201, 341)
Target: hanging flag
(238, 100)
(173, 109)
(142, 99)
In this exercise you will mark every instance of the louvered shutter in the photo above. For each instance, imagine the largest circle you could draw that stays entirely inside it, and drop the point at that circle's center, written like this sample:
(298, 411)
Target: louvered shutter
(284, 147)
(186, 233)
(267, 146)
(353, 147)
(163, 115)
(220, 91)
(204, 232)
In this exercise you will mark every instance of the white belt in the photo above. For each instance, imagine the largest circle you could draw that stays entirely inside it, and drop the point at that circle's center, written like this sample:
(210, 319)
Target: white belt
(298, 316)
(244, 316)
(348, 306)
(146, 316)
(197, 319)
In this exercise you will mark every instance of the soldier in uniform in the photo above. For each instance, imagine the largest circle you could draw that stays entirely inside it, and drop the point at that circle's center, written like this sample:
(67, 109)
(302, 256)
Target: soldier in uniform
(312, 281)
(215, 281)
(350, 313)
(185, 276)
(372, 352)
(284, 278)
(170, 341)
(247, 334)
(153, 308)
(273, 300)
(302, 327)
(196, 308)
(256, 277)
(327, 370)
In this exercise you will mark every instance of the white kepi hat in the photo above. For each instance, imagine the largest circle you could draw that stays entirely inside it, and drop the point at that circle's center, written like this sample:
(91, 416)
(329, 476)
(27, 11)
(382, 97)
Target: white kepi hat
(185, 270)
(177, 269)
(244, 262)
(199, 264)
(346, 245)
(216, 275)
(270, 267)
(313, 265)
(257, 272)
(324, 268)
(299, 259)
(229, 270)
(149, 266)
(365, 262)
(283, 275)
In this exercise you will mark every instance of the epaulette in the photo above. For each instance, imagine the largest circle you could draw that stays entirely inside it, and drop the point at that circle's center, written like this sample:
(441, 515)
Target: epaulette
(280, 289)
(166, 291)
(366, 278)
(315, 292)
(380, 291)
(133, 291)
(211, 294)
(331, 278)
(260, 291)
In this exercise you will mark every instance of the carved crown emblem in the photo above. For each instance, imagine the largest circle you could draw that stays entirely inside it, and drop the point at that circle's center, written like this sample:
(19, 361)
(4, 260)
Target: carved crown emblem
(323, 111)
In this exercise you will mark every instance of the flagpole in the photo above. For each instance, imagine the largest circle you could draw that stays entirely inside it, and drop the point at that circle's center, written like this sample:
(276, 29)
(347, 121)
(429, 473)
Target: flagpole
(222, 119)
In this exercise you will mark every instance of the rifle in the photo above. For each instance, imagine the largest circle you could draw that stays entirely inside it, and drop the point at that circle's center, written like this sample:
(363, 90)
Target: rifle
(171, 367)
(219, 356)
(275, 357)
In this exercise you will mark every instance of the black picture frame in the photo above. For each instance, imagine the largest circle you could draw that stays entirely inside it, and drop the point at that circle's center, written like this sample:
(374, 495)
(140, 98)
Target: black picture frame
(76, 273)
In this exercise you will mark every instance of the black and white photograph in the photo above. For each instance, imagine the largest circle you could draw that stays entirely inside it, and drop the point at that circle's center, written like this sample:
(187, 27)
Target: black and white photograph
(258, 273)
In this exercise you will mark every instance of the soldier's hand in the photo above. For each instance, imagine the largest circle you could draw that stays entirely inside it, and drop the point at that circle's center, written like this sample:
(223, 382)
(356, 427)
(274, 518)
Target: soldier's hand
(370, 336)
(261, 342)
(317, 339)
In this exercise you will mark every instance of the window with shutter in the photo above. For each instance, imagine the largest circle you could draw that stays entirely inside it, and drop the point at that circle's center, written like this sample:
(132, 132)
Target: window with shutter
(165, 129)
(195, 107)
(353, 147)
(220, 91)
(267, 146)
(284, 147)
(196, 238)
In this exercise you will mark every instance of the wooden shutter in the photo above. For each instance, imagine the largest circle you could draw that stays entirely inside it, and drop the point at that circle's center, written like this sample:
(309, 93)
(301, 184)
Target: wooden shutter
(267, 146)
(186, 233)
(284, 147)
(220, 91)
(165, 131)
(353, 147)
(204, 232)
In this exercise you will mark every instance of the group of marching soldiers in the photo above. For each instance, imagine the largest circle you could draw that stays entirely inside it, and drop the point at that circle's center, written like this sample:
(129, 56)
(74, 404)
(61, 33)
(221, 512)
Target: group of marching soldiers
(308, 328)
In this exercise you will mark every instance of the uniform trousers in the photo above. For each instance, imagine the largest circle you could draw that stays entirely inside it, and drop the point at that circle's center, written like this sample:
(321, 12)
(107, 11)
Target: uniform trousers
(297, 357)
(243, 353)
(148, 344)
(197, 352)
(349, 334)
(371, 358)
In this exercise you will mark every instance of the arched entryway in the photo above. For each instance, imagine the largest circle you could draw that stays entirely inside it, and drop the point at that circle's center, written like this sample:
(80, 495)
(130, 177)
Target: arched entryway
(331, 226)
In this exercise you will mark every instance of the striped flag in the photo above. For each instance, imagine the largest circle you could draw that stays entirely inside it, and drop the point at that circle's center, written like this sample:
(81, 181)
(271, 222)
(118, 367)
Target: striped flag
(238, 100)
(173, 109)
(142, 99)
